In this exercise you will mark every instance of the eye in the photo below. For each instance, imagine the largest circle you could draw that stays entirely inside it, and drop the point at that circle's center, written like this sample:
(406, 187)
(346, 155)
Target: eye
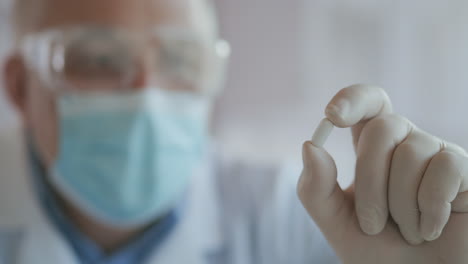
(97, 59)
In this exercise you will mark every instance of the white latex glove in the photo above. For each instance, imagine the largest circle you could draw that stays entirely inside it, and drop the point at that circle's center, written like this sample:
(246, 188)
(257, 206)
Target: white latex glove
(401, 171)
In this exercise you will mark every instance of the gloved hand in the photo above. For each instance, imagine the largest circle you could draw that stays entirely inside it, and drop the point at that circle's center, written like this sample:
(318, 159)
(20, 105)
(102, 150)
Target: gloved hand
(409, 185)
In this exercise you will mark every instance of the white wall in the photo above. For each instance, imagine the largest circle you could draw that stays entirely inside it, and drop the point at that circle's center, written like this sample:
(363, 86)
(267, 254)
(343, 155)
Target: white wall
(290, 57)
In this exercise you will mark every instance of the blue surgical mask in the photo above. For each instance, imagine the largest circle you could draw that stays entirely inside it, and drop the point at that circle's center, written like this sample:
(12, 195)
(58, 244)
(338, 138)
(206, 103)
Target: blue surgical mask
(127, 158)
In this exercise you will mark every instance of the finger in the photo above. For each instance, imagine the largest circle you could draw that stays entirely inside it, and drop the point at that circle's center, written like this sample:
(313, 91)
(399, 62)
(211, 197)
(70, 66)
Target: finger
(409, 163)
(460, 204)
(354, 105)
(439, 187)
(375, 150)
(320, 193)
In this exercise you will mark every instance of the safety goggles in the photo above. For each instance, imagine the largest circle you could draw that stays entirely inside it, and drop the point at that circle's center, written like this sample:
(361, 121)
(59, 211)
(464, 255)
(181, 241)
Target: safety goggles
(94, 59)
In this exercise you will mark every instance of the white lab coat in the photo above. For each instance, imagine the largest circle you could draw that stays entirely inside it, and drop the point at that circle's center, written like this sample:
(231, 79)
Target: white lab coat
(235, 214)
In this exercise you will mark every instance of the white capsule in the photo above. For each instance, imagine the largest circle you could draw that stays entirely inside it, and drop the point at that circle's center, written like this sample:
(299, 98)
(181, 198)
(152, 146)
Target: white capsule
(322, 132)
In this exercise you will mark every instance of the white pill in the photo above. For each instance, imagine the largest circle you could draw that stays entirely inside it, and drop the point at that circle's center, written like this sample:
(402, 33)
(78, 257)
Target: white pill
(322, 132)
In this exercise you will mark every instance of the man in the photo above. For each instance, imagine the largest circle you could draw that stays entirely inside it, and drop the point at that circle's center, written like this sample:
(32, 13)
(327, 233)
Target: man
(115, 98)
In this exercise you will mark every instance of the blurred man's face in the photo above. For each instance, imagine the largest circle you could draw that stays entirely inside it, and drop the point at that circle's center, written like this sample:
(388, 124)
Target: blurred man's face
(37, 101)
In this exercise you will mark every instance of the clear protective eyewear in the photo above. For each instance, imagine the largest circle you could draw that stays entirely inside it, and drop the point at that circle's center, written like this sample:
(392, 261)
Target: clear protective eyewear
(90, 59)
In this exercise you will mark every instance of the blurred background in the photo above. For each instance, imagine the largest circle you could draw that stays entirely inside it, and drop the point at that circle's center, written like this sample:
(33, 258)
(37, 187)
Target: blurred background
(290, 57)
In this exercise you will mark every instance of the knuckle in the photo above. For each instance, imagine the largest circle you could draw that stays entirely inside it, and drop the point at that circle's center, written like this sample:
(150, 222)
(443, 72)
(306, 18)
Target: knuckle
(418, 146)
(346, 92)
(431, 199)
(404, 212)
(445, 159)
(354, 88)
(407, 151)
(362, 87)
(433, 206)
(455, 148)
(448, 165)
(387, 123)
